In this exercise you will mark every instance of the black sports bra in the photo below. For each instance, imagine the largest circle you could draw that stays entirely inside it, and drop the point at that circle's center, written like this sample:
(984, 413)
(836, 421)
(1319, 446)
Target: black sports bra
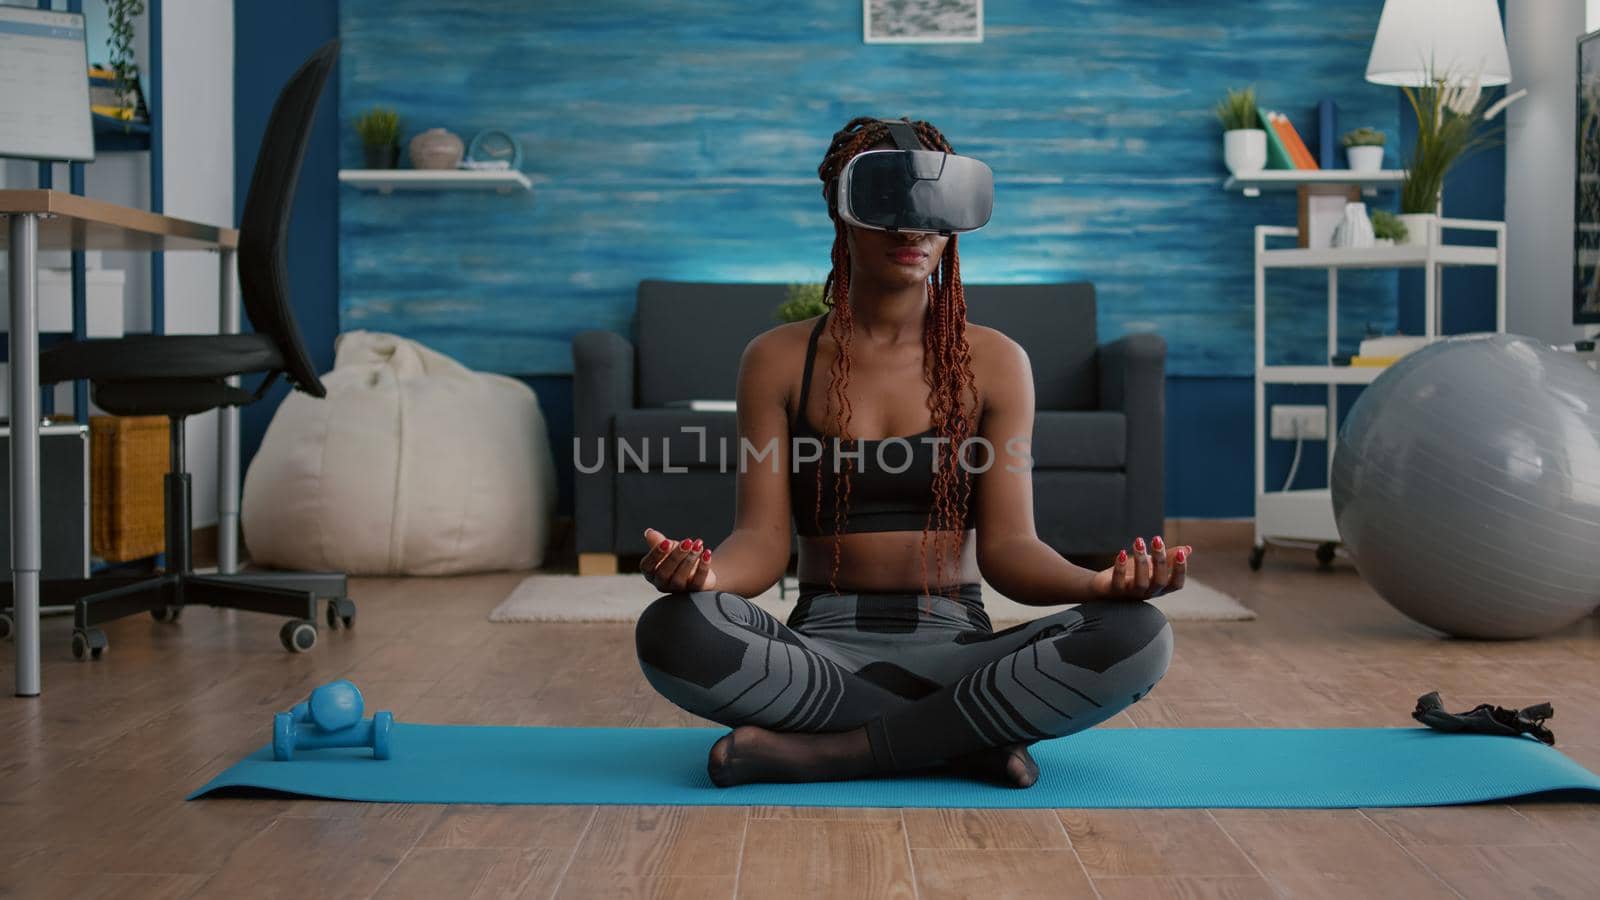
(891, 487)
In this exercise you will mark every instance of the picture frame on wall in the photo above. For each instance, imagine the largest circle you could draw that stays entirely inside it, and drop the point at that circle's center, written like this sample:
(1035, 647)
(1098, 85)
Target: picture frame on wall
(922, 21)
(1586, 206)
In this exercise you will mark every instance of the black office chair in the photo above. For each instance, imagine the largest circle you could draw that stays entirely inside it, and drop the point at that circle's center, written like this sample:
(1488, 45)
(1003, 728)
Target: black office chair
(183, 374)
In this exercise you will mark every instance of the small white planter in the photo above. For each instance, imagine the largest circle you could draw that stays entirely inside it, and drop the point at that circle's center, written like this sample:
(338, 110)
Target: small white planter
(1364, 159)
(1419, 228)
(1244, 150)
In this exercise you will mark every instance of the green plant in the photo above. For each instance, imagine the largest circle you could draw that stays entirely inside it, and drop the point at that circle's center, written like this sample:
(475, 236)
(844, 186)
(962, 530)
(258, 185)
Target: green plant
(1362, 137)
(379, 127)
(120, 15)
(803, 302)
(1238, 110)
(1449, 128)
(1386, 224)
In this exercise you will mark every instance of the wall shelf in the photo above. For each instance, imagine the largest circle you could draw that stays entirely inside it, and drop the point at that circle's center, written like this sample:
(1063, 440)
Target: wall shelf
(1398, 257)
(386, 181)
(1293, 179)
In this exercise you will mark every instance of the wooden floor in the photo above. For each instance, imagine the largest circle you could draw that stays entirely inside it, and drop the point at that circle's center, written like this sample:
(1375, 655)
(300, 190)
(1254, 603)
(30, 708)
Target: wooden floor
(92, 774)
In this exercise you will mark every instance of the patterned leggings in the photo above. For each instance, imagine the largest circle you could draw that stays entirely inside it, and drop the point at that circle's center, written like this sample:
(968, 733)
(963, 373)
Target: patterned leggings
(927, 676)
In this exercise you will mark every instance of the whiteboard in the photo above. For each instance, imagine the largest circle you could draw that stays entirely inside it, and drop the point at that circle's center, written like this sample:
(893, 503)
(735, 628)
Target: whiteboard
(44, 86)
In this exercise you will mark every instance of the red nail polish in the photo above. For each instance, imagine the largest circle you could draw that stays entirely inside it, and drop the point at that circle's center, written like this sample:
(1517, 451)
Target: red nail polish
(1138, 544)
(686, 543)
(1122, 556)
(705, 555)
(1157, 542)
(666, 544)
(698, 543)
(1180, 556)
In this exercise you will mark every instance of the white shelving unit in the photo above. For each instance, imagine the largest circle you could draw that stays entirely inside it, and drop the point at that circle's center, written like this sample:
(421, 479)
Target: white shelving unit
(386, 181)
(1305, 517)
(1293, 179)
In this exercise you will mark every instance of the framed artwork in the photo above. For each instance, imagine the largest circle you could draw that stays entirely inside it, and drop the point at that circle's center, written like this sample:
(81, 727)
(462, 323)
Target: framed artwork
(1586, 209)
(922, 21)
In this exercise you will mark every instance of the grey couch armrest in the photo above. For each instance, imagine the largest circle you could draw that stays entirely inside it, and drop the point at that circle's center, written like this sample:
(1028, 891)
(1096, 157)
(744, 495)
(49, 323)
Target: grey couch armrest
(1133, 380)
(602, 386)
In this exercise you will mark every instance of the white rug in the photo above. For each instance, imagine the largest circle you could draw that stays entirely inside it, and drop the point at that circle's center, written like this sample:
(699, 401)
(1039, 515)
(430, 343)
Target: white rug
(619, 598)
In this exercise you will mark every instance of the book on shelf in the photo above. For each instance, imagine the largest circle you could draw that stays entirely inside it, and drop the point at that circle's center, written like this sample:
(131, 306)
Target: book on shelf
(1277, 154)
(1292, 143)
(1328, 133)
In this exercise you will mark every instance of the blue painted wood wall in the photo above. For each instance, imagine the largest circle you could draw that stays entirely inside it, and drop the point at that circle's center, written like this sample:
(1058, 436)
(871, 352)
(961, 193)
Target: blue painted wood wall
(681, 140)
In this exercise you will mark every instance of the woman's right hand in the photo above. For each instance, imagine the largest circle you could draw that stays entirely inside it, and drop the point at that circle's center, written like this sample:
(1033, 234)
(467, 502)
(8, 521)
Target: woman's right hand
(674, 567)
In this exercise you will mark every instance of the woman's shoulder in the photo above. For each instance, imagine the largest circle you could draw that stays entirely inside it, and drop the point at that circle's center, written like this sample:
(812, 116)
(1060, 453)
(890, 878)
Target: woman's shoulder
(779, 345)
(992, 347)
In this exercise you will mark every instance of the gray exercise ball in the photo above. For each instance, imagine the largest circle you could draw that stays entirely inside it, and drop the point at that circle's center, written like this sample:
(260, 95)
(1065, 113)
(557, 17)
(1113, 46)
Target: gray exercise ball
(1466, 485)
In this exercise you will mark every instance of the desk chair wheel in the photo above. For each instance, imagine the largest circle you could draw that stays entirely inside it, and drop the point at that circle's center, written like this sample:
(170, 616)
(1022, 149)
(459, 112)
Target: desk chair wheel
(341, 609)
(88, 643)
(166, 613)
(7, 627)
(298, 635)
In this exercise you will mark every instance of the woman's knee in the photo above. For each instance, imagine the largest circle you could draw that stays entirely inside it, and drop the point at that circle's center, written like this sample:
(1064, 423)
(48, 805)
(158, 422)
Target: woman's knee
(1131, 635)
(678, 634)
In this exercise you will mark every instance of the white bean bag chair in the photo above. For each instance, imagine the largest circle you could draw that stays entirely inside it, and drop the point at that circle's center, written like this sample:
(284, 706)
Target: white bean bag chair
(413, 464)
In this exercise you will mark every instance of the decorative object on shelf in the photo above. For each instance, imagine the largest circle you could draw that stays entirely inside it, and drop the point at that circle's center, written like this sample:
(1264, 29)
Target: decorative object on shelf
(436, 148)
(803, 302)
(120, 16)
(1421, 471)
(1449, 128)
(1387, 228)
(1355, 231)
(922, 21)
(1441, 54)
(380, 138)
(1244, 145)
(493, 148)
(1363, 147)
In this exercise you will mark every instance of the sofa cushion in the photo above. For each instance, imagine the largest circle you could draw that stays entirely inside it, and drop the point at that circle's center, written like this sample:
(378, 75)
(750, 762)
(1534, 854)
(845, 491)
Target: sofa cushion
(661, 431)
(1080, 440)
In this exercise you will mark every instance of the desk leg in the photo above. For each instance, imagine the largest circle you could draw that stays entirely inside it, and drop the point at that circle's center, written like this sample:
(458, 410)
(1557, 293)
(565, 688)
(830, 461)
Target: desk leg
(25, 448)
(228, 434)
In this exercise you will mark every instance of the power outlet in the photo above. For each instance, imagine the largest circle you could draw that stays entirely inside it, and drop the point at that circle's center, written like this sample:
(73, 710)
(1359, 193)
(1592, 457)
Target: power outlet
(1313, 422)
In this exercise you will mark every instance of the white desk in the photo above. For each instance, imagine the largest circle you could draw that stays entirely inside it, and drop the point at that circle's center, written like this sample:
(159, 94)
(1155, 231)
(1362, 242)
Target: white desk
(56, 220)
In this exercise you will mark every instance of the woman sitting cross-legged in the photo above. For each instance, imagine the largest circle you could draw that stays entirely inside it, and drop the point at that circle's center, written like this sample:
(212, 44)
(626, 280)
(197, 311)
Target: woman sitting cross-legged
(880, 669)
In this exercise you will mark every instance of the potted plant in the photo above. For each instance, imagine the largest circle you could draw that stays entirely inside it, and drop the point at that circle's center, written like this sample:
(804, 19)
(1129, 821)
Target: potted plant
(1363, 147)
(120, 18)
(1387, 228)
(380, 137)
(1244, 142)
(803, 302)
(1450, 115)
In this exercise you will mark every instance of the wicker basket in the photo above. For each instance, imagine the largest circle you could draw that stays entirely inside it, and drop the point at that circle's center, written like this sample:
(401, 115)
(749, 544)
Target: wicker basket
(128, 466)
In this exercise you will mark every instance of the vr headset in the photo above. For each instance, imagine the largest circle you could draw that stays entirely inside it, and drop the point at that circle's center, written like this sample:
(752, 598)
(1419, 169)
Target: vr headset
(912, 189)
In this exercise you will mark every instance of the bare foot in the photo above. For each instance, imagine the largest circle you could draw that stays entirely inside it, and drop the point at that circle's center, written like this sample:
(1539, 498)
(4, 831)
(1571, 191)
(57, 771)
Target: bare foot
(1010, 765)
(751, 753)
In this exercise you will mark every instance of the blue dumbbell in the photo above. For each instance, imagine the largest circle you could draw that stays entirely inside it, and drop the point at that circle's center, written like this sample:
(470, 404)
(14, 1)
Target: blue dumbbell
(330, 718)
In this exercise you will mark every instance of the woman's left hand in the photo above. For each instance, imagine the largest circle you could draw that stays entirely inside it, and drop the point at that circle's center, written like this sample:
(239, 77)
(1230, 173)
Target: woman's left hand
(1142, 575)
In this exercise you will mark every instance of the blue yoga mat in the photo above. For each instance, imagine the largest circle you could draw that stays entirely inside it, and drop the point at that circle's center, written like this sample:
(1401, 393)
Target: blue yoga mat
(1100, 768)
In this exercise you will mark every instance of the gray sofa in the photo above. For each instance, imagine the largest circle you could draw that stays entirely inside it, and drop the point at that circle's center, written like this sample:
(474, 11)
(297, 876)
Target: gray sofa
(1098, 431)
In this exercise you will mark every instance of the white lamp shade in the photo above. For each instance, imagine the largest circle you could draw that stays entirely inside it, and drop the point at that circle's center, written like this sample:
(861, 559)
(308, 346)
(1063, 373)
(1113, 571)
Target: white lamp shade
(1456, 40)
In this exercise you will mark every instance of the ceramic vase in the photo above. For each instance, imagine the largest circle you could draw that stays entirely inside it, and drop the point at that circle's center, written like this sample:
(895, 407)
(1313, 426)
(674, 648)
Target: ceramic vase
(436, 148)
(1355, 229)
